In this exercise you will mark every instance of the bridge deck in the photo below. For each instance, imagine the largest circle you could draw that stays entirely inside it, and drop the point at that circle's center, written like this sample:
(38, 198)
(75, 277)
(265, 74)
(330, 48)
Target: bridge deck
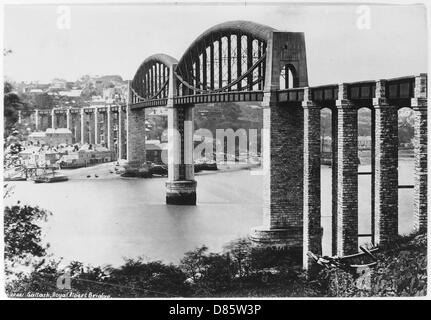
(400, 91)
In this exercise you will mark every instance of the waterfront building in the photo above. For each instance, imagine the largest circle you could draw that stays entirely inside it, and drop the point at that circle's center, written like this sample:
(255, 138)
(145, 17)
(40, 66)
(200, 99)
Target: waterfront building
(88, 154)
(40, 157)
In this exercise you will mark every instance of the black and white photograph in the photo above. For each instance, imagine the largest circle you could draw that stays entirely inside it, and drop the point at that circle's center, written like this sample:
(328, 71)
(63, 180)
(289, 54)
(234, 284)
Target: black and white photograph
(242, 150)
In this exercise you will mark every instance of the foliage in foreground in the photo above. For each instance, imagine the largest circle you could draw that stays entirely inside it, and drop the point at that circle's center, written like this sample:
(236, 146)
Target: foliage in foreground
(242, 269)
(23, 234)
(401, 271)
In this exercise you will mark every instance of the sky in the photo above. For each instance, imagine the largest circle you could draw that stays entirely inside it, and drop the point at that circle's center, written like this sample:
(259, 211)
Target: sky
(115, 39)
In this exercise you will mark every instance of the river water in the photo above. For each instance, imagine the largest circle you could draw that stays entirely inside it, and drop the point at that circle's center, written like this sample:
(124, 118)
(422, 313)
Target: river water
(104, 221)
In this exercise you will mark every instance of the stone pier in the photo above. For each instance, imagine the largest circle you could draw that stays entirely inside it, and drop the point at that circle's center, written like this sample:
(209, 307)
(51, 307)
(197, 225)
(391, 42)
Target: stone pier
(283, 185)
(283, 151)
(36, 118)
(96, 126)
(135, 137)
(102, 125)
(181, 185)
(69, 120)
(420, 105)
(334, 176)
(347, 174)
(312, 216)
(110, 128)
(83, 126)
(386, 167)
(122, 146)
(91, 126)
(53, 119)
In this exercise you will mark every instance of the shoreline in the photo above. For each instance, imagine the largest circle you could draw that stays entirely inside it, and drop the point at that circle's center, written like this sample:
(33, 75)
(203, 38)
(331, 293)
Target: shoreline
(112, 171)
(107, 170)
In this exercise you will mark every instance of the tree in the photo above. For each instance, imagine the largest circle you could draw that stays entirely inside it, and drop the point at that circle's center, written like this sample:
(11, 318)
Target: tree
(11, 106)
(22, 234)
(10, 103)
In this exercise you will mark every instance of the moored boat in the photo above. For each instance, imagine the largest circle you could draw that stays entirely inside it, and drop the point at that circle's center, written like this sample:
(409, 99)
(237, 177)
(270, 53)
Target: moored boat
(51, 178)
(57, 178)
(19, 178)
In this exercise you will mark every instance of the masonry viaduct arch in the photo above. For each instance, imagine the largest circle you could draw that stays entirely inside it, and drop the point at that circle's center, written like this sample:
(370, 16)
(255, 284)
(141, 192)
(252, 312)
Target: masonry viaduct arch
(242, 61)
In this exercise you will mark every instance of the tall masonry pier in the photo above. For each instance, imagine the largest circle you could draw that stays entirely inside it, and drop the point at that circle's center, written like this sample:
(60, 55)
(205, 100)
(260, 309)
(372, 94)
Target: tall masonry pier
(283, 148)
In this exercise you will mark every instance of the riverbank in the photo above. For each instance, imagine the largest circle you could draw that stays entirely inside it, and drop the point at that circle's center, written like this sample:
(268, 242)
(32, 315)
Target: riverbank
(108, 170)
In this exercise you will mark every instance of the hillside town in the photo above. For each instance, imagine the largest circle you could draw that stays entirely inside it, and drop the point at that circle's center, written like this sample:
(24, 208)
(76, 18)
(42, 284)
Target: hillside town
(30, 146)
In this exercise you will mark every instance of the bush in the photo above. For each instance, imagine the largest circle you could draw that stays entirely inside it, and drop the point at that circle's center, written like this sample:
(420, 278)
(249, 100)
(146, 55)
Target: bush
(134, 279)
(153, 279)
(245, 269)
(208, 273)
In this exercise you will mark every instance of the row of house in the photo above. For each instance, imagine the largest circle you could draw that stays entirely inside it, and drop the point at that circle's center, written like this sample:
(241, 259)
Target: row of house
(86, 155)
(65, 156)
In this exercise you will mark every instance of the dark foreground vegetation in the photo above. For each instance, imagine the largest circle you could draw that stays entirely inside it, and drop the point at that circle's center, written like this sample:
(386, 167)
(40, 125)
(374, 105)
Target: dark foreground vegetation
(240, 270)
